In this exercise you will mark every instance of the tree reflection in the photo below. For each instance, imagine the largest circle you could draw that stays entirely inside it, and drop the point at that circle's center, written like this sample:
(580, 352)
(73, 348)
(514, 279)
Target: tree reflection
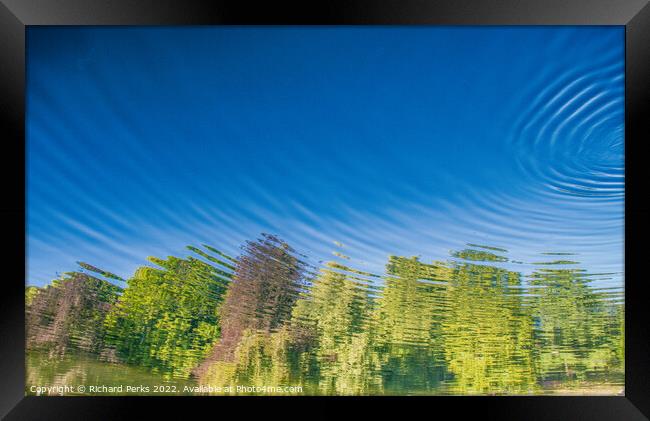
(463, 326)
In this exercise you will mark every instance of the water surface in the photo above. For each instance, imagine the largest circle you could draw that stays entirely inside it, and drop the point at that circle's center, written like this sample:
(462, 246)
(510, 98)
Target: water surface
(443, 208)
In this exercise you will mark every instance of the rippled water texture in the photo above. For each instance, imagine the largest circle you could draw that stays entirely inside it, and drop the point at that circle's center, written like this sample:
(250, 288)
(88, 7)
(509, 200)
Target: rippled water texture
(444, 209)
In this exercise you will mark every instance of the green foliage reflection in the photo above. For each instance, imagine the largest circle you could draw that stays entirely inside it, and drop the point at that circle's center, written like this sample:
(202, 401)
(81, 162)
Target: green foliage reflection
(462, 326)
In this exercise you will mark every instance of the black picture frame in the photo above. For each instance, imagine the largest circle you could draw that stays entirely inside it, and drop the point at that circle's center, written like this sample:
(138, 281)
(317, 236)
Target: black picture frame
(17, 15)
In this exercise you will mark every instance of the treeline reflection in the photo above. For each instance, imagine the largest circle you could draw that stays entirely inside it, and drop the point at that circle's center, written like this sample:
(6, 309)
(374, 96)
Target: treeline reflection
(268, 317)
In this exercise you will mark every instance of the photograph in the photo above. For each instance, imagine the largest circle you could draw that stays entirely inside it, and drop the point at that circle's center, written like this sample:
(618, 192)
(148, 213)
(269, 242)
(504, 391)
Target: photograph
(275, 210)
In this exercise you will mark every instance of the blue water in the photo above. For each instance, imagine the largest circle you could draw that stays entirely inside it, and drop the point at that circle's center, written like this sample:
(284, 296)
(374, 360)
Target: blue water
(387, 140)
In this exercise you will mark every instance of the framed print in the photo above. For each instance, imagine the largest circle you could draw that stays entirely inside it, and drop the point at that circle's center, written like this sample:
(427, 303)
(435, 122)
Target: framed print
(413, 203)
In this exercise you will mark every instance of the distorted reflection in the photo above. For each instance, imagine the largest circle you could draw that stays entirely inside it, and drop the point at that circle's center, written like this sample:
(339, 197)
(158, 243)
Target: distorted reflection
(267, 317)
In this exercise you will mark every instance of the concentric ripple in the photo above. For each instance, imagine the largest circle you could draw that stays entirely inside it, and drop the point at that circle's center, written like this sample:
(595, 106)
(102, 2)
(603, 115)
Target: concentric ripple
(570, 137)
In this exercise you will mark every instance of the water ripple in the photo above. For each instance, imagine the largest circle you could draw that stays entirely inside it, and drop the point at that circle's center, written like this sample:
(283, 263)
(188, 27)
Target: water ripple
(569, 139)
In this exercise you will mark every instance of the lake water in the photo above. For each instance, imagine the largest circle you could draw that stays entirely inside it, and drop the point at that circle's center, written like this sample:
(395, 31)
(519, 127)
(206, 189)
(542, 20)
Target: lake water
(389, 210)
(461, 326)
